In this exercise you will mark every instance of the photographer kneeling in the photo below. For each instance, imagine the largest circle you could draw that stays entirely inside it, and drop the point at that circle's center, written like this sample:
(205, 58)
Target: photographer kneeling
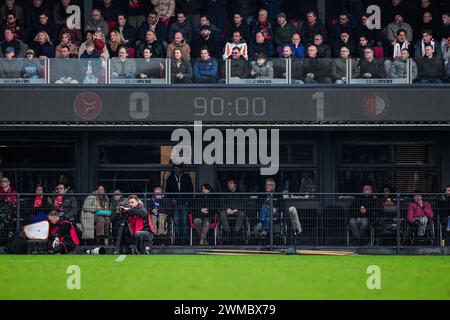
(63, 236)
(140, 223)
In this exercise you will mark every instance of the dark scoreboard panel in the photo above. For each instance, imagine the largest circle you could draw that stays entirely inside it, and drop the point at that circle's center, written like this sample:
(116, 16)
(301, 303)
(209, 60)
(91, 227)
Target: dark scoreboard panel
(273, 105)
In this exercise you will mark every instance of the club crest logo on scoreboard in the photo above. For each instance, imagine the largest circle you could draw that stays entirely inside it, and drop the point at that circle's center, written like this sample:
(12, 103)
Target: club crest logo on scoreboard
(88, 105)
(376, 106)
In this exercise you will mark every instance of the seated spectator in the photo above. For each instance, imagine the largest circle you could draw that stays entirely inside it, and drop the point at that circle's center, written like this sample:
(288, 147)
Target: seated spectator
(71, 29)
(160, 208)
(298, 50)
(283, 31)
(181, 69)
(38, 206)
(427, 39)
(64, 203)
(431, 68)
(10, 41)
(344, 25)
(90, 64)
(10, 67)
(217, 11)
(445, 28)
(239, 65)
(65, 70)
(339, 67)
(151, 42)
(183, 26)
(114, 43)
(323, 49)
(238, 24)
(238, 42)
(205, 22)
(96, 216)
(311, 27)
(364, 208)
(344, 41)
(31, 67)
(263, 26)
(89, 36)
(97, 23)
(100, 44)
(178, 42)
(399, 68)
(259, 45)
(136, 11)
(192, 10)
(152, 23)
(314, 68)
(420, 214)
(32, 12)
(42, 46)
(372, 35)
(122, 67)
(60, 14)
(46, 25)
(369, 67)
(398, 24)
(109, 9)
(126, 31)
(149, 67)
(232, 210)
(262, 68)
(279, 67)
(206, 40)
(12, 24)
(10, 6)
(206, 68)
(247, 9)
(446, 50)
(401, 42)
(363, 44)
(66, 41)
(429, 23)
(165, 10)
(204, 214)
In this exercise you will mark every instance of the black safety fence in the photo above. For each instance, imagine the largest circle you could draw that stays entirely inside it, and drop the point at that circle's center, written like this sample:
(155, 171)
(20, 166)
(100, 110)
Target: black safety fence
(269, 220)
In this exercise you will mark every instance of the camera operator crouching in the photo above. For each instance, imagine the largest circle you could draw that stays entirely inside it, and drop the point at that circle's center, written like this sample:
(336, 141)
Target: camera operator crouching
(138, 226)
(63, 234)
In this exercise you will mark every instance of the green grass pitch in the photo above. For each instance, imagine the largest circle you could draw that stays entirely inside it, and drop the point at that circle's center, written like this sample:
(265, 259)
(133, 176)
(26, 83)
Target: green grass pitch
(224, 277)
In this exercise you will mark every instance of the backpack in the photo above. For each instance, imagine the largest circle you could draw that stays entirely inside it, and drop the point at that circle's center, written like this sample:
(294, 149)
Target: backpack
(17, 243)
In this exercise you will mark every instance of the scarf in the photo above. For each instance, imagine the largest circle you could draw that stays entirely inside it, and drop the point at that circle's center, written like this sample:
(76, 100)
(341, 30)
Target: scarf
(423, 47)
(398, 47)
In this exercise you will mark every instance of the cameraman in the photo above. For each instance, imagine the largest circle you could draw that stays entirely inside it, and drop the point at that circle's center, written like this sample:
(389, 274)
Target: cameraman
(140, 224)
(63, 236)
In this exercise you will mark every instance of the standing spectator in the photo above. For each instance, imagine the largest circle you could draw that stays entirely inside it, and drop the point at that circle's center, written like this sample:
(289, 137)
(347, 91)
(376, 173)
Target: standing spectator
(217, 10)
(10, 6)
(314, 68)
(149, 67)
(339, 67)
(323, 49)
(160, 208)
(311, 27)
(96, 212)
(181, 69)
(136, 10)
(431, 68)
(232, 210)
(344, 25)
(66, 41)
(399, 68)
(298, 50)
(398, 24)
(206, 40)
(345, 41)
(90, 64)
(97, 23)
(9, 41)
(364, 208)
(152, 23)
(117, 217)
(206, 68)
(122, 67)
(10, 68)
(109, 9)
(239, 65)
(179, 184)
(238, 42)
(181, 25)
(43, 46)
(12, 24)
(192, 10)
(259, 45)
(65, 70)
(31, 67)
(203, 214)
(263, 25)
(60, 14)
(45, 24)
(247, 9)
(369, 67)
(420, 214)
(114, 43)
(64, 203)
(165, 10)
(283, 31)
(238, 24)
(178, 42)
(262, 68)
(126, 31)
(427, 39)
(151, 42)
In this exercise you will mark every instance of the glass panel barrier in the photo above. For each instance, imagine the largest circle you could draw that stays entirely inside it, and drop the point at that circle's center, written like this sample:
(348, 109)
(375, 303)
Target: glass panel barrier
(22, 71)
(261, 71)
(73, 71)
(139, 71)
(371, 71)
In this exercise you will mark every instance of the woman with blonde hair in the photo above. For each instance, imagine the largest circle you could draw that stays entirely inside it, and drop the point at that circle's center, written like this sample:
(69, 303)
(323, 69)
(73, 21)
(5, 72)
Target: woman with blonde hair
(66, 41)
(43, 46)
(114, 43)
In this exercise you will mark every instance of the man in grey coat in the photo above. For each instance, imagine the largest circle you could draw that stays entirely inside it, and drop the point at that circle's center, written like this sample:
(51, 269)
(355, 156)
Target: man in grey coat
(399, 68)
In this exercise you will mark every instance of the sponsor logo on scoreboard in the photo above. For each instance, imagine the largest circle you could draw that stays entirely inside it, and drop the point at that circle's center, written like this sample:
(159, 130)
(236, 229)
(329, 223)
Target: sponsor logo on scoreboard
(88, 105)
(376, 106)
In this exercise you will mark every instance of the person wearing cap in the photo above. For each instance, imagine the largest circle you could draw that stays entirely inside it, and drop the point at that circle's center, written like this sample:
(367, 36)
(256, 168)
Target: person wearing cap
(205, 22)
(31, 67)
(283, 31)
(10, 68)
(11, 41)
(206, 40)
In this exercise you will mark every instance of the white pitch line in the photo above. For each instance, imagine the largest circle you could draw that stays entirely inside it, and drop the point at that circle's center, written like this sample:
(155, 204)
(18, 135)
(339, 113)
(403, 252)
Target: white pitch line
(121, 258)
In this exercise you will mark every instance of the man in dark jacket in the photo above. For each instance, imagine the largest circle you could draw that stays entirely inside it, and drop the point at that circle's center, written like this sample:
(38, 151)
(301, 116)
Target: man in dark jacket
(192, 10)
(263, 25)
(283, 31)
(259, 45)
(371, 68)
(239, 65)
(238, 24)
(311, 27)
(158, 27)
(363, 209)
(127, 32)
(64, 203)
(179, 186)
(431, 67)
(232, 209)
(203, 214)
(206, 40)
(151, 43)
(315, 70)
(247, 8)
(182, 25)
(206, 69)
(63, 236)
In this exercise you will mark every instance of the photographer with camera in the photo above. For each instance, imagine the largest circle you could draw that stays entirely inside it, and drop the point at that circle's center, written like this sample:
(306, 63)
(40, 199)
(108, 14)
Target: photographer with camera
(63, 236)
(138, 226)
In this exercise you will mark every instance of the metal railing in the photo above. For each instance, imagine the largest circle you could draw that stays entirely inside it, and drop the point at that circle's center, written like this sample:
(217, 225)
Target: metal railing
(242, 219)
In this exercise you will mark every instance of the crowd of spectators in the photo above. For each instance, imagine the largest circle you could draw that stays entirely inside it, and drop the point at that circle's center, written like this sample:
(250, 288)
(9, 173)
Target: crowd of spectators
(206, 32)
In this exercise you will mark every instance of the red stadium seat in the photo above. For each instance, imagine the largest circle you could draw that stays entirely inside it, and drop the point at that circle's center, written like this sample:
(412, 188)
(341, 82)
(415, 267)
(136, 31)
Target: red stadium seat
(378, 52)
(111, 25)
(211, 226)
(131, 52)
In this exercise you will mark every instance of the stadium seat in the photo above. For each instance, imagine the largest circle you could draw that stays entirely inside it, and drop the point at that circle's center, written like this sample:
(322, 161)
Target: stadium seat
(131, 52)
(211, 226)
(379, 52)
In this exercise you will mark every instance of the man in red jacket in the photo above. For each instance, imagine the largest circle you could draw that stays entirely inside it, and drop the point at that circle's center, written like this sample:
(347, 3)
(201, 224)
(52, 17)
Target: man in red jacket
(419, 213)
(8, 193)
